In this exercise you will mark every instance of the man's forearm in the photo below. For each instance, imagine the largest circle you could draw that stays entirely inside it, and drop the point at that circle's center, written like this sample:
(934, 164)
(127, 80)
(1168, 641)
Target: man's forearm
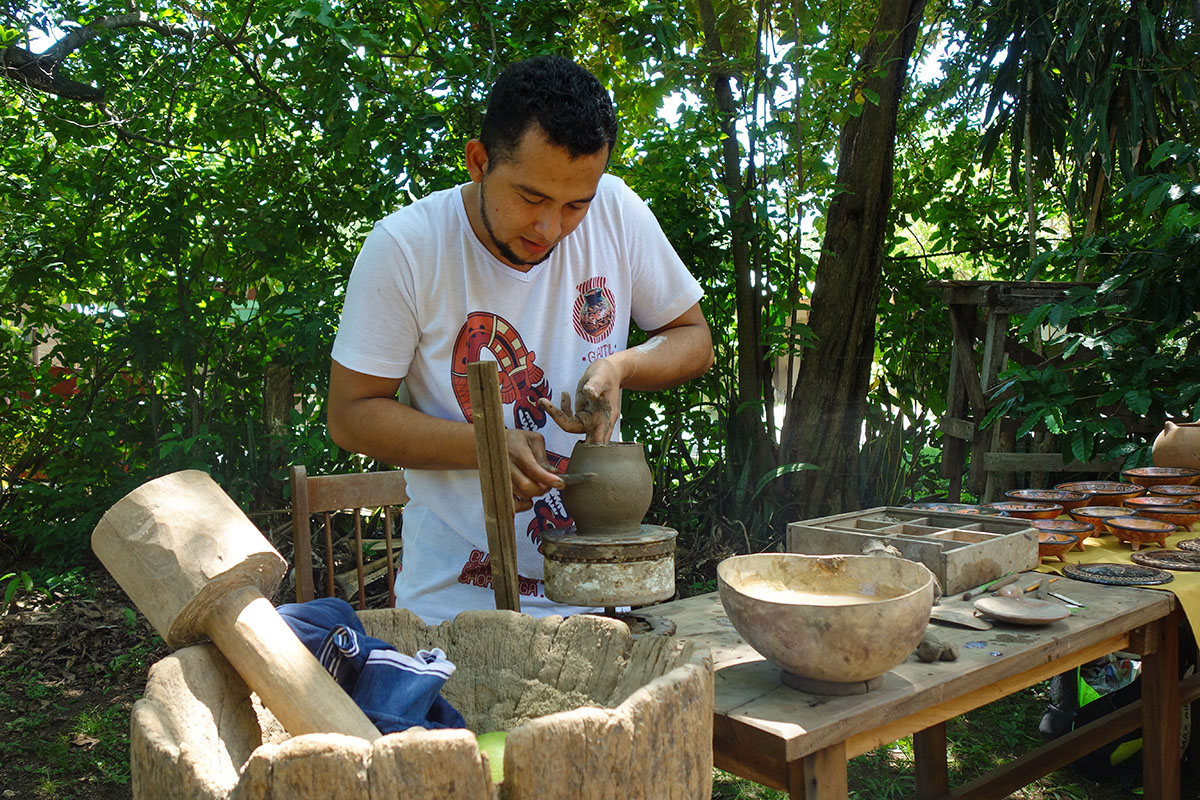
(667, 359)
(389, 431)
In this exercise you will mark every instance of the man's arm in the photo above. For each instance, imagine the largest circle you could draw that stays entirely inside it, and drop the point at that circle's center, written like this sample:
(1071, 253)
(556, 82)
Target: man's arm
(677, 352)
(365, 417)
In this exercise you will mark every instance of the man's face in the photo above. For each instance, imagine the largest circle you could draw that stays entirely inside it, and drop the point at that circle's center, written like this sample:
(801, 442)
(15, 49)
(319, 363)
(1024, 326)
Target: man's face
(529, 201)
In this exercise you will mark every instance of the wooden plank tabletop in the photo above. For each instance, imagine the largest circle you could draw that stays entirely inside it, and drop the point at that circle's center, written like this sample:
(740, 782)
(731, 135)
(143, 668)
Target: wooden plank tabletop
(755, 713)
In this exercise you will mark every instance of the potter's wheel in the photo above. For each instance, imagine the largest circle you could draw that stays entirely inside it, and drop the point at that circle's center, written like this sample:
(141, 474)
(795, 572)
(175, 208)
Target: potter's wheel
(816, 686)
(634, 568)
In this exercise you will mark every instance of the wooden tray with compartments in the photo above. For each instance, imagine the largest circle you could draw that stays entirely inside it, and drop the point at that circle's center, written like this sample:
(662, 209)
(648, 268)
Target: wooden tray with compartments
(962, 550)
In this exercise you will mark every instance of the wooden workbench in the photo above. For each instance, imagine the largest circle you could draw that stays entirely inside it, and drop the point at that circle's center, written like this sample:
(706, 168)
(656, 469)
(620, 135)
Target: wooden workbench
(799, 742)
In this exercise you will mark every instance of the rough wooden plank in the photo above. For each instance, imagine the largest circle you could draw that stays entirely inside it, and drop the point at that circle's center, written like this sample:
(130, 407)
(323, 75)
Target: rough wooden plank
(1160, 710)
(825, 774)
(929, 757)
(356, 490)
(958, 428)
(1043, 462)
(487, 414)
(965, 359)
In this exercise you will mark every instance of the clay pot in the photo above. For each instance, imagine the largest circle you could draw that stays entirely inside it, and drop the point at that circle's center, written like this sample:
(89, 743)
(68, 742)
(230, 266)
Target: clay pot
(1178, 445)
(618, 497)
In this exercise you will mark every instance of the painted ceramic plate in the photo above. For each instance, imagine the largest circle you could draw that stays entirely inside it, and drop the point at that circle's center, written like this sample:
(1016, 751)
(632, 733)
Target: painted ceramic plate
(1151, 476)
(1181, 560)
(1189, 544)
(1117, 574)
(1174, 490)
(1020, 611)
(956, 508)
(1067, 500)
(1080, 530)
(1027, 510)
(1103, 492)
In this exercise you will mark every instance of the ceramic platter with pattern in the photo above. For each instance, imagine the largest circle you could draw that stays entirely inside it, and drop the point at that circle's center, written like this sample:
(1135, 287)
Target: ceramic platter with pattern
(1117, 574)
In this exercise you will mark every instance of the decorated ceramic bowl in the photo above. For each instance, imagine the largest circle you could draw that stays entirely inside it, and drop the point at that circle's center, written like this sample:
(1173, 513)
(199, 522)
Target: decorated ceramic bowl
(1067, 500)
(1026, 510)
(1139, 530)
(1080, 530)
(956, 508)
(1053, 545)
(1158, 500)
(1174, 490)
(1182, 518)
(1152, 476)
(1095, 516)
(1104, 493)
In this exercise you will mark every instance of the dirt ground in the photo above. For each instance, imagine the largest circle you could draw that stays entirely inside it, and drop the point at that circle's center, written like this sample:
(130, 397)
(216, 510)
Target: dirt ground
(71, 666)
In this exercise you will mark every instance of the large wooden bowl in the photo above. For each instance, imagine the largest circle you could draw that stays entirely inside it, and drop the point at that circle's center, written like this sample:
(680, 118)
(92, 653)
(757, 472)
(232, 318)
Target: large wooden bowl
(838, 619)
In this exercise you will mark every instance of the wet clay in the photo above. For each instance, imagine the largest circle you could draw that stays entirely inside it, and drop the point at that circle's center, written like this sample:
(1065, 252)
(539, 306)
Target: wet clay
(618, 497)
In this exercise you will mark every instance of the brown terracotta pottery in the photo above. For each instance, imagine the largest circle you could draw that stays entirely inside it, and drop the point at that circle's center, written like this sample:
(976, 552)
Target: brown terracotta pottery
(1067, 500)
(1157, 476)
(1174, 490)
(1052, 544)
(1095, 516)
(1080, 530)
(1104, 493)
(1178, 445)
(1139, 530)
(1026, 510)
(615, 501)
(1183, 518)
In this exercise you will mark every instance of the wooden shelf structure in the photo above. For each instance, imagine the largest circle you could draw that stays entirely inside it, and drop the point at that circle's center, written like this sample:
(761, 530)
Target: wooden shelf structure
(981, 315)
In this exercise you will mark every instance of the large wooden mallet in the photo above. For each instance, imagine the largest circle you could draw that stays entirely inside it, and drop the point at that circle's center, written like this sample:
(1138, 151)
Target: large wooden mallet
(196, 566)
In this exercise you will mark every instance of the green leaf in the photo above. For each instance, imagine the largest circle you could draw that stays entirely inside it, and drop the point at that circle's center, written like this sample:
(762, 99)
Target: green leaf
(785, 469)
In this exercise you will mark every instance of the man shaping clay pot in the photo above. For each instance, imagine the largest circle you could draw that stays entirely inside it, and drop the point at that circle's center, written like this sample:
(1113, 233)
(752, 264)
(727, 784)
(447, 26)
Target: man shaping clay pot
(540, 262)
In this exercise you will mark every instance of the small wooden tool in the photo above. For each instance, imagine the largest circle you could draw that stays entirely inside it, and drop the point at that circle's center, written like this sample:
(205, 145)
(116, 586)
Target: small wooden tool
(487, 415)
(196, 566)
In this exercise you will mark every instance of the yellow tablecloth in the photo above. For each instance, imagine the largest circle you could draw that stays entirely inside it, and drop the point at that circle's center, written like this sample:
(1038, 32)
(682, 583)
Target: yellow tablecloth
(1185, 587)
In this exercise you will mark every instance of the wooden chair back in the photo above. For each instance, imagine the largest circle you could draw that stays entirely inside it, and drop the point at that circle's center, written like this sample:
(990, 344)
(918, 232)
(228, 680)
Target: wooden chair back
(325, 494)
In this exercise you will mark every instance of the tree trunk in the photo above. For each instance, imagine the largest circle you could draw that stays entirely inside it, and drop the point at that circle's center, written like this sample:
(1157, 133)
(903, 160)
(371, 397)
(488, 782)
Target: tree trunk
(750, 449)
(824, 416)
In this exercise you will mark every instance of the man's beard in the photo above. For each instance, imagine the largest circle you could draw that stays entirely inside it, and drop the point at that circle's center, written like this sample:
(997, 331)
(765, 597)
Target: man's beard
(505, 251)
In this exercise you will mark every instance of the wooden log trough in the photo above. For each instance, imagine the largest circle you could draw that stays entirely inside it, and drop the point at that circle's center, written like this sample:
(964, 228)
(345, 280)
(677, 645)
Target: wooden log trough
(591, 711)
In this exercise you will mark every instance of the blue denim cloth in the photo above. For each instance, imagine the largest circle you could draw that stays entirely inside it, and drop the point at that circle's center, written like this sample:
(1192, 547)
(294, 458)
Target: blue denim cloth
(396, 691)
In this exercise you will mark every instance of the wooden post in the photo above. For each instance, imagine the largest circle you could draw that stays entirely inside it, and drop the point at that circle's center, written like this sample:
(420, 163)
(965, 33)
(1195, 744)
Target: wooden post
(929, 753)
(487, 414)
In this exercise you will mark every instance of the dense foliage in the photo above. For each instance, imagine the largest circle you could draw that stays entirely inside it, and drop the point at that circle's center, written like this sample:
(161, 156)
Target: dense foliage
(184, 188)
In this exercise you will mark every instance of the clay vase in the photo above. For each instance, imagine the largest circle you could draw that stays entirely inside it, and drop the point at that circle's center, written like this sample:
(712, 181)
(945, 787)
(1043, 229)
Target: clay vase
(615, 501)
(1178, 445)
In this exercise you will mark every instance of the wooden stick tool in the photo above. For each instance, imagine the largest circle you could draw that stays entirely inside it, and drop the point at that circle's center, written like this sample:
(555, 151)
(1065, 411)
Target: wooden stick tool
(487, 414)
(196, 566)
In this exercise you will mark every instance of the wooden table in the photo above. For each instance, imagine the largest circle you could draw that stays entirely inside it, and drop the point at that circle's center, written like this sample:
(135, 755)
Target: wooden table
(800, 742)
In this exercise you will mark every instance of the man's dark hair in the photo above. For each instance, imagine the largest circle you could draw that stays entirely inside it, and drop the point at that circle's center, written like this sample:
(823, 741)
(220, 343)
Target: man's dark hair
(563, 98)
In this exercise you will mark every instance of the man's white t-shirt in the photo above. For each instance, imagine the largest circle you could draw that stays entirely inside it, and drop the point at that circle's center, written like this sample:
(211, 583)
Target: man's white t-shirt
(426, 297)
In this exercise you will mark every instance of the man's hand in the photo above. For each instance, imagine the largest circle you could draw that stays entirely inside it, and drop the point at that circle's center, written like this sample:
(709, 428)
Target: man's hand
(528, 467)
(598, 403)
